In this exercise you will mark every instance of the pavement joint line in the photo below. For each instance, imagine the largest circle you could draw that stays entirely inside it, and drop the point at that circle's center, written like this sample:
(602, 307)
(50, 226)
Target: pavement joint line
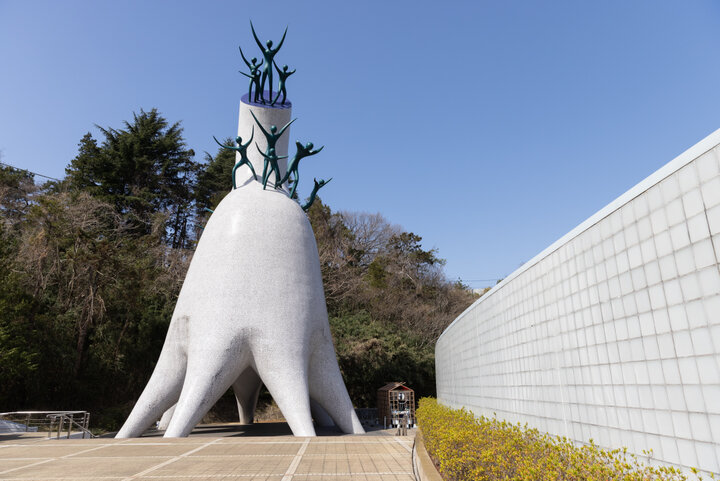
(36, 445)
(249, 475)
(29, 458)
(173, 455)
(357, 473)
(311, 455)
(231, 475)
(242, 455)
(222, 476)
(74, 478)
(125, 457)
(53, 459)
(404, 445)
(28, 465)
(170, 461)
(296, 461)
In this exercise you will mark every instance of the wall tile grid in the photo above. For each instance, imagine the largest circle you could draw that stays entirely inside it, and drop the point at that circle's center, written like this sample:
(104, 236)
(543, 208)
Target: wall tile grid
(613, 333)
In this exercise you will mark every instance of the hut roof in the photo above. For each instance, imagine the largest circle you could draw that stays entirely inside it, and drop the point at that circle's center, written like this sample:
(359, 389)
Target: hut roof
(391, 386)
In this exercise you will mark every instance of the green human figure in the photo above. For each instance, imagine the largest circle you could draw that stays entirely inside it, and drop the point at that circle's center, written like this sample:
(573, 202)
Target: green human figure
(254, 75)
(272, 159)
(272, 138)
(268, 55)
(300, 153)
(283, 74)
(242, 150)
(314, 192)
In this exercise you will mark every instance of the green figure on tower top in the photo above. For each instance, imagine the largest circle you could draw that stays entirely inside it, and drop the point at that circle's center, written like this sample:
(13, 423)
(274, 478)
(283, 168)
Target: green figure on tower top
(284, 74)
(268, 54)
(254, 76)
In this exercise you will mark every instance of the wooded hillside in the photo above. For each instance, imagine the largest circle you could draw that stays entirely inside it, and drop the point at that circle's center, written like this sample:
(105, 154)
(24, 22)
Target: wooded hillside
(91, 266)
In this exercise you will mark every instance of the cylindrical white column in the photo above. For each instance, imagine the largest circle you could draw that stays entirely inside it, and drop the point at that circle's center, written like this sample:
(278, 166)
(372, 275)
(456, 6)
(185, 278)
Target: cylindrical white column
(277, 115)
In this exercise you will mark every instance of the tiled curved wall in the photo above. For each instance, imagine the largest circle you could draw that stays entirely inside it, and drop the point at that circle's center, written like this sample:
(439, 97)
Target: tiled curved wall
(613, 332)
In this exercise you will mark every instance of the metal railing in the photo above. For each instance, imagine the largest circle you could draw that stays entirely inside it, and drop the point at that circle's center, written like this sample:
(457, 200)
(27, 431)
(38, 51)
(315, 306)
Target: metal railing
(54, 422)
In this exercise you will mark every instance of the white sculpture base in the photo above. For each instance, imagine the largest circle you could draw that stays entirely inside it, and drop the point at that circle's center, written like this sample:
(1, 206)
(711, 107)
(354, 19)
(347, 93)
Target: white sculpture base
(252, 309)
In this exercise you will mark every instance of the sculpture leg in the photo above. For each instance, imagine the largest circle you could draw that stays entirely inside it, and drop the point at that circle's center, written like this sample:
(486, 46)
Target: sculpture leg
(284, 373)
(265, 173)
(262, 86)
(247, 389)
(252, 169)
(328, 389)
(166, 418)
(235, 167)
(209, 375)
(320, 416)
(233, 174)
(278, 180)
(250, 90)
(161, 392)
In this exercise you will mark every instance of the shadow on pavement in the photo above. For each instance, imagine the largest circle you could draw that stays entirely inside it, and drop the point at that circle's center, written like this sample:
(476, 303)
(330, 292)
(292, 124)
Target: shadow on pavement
(251, 430)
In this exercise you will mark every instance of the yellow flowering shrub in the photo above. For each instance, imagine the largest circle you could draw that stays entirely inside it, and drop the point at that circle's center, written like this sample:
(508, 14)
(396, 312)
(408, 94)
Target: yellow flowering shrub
(465, 447)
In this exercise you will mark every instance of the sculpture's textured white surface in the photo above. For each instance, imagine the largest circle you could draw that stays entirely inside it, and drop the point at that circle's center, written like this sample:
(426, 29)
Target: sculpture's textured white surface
(613, 332)
(251, 310)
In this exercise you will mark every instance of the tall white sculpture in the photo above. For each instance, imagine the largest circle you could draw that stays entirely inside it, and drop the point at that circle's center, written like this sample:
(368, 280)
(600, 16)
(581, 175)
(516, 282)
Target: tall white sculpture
(251, 311)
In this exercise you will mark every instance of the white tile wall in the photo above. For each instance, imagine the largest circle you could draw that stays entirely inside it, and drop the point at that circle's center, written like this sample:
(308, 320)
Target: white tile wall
(613, 332)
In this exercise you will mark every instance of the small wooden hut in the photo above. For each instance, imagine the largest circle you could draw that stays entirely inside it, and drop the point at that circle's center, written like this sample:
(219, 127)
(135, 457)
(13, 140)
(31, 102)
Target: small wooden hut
(394, 401)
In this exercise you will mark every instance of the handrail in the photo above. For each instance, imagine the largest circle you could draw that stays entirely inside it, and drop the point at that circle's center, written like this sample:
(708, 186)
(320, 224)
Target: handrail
(41, 412)
(71, 420)
(80, 419)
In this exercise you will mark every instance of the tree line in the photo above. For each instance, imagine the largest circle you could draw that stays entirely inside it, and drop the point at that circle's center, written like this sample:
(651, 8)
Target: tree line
(91, 267)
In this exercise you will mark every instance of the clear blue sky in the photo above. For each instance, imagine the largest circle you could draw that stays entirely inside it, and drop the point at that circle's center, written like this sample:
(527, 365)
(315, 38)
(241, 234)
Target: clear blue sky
(490, 128)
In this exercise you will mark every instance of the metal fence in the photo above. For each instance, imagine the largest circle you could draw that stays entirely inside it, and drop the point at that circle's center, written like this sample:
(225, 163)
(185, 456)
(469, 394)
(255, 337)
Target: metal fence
(55, 423)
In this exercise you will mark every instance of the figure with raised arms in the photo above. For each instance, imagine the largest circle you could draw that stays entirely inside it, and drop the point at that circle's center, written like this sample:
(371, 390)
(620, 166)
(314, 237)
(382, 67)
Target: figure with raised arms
(313, 194)
(254, 76)
(300, 153)
(268, 54)
(284, 74)
(272, 138)
(242, 150)
(272, 159)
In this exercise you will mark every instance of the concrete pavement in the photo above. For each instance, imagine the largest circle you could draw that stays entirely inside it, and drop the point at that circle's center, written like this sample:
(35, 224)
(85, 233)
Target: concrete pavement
(229, 452)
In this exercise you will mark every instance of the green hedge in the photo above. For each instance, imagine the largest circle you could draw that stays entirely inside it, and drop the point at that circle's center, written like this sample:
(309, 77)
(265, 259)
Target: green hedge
(464, 447)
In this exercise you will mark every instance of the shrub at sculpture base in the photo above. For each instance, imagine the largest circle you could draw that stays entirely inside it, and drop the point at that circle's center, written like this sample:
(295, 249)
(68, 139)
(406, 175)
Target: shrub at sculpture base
(464, 447)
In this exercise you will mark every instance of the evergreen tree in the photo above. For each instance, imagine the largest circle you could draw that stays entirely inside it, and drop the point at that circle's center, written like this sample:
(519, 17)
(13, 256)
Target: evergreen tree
(143, 169)
(214, 180)
(16, 190)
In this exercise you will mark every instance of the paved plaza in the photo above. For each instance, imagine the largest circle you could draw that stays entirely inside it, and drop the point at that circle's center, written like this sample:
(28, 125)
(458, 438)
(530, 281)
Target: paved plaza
(210, 454)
